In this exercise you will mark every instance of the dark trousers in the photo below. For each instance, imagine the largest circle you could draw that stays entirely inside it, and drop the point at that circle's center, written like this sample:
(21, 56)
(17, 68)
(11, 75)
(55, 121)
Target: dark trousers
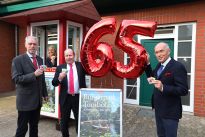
(71, 103)
(25, 118)
(166, 127)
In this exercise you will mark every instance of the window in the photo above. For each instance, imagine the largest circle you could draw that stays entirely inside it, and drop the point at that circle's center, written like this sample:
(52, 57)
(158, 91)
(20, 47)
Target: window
(185, 55)
(47, 33)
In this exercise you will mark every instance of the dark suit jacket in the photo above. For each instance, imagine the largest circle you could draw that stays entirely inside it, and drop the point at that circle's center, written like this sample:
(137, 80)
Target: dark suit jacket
(168, 104)
(64, 86)
(29, 88)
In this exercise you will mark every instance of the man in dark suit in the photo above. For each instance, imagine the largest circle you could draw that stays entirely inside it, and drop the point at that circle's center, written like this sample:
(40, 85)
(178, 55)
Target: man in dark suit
(170, 81)
(29, 78)
(69, 90)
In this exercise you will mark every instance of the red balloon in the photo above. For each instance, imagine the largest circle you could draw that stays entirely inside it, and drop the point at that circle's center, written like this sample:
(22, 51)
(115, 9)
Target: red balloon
(136, 51)
(97, 57)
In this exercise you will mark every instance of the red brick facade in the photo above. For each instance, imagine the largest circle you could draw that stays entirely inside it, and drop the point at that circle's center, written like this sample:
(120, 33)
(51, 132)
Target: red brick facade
(188, 12)
(7, 52)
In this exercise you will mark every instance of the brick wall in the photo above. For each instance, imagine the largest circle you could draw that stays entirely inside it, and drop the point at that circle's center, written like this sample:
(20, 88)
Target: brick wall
(22, 35)
(187, 12)
(7, 52)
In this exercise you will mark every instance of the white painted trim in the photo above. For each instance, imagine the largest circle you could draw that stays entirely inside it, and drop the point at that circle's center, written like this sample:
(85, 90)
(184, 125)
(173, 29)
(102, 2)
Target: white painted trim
(88, 77)
(50, 74)
(45, 23)
(48, 23)
(77, 25)
(192, 79)
(126, 100)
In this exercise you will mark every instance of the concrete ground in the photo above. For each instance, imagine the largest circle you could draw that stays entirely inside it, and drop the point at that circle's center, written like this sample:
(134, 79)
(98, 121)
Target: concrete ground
(137, 122)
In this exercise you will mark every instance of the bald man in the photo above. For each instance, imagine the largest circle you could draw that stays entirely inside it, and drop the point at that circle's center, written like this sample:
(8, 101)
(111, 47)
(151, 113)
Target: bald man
(69, 100)
(169, 79)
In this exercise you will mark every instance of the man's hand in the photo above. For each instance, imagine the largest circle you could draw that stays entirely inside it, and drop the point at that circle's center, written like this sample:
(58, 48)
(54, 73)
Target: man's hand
(39, 72)
(53, 59)
(62, 75)
(158, 84)
(150, 80)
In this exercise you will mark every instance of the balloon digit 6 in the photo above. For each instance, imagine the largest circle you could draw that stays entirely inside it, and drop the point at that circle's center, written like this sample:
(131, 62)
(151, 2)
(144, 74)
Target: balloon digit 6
(97, 57)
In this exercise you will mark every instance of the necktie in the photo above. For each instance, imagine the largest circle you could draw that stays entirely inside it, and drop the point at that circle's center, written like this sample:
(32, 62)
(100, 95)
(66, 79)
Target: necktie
(159, 71)
(35, 62)
(71, 80)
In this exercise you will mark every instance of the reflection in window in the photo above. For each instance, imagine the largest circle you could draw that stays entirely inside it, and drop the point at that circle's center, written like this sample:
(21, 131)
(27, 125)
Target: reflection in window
(131, 92)
(48, 43)
(74, 40)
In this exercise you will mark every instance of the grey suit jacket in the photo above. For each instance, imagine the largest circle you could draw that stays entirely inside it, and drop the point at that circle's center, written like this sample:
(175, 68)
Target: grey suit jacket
(29, 88)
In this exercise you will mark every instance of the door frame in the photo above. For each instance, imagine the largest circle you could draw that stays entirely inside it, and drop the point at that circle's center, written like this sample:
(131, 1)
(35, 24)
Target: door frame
(172, 35)
(140, 37)
(149, 44)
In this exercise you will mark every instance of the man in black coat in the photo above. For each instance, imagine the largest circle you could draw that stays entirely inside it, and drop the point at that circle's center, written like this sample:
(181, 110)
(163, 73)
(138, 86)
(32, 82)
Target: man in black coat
(170, 81)
(29, 78)
(69, 91)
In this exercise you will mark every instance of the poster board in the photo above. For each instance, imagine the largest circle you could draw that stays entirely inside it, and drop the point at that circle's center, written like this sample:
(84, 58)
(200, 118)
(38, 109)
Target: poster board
(100, 113)
(50, 108)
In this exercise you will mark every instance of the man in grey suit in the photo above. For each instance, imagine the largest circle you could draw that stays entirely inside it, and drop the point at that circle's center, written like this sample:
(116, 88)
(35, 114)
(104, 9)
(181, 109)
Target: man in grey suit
(28, 75)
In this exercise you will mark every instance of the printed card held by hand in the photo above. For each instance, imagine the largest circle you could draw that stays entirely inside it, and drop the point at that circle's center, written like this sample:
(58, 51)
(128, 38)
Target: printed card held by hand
(151, 80)
(65, 70)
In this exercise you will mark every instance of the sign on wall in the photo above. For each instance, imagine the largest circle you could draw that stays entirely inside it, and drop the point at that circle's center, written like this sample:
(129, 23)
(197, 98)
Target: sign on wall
(100, 113)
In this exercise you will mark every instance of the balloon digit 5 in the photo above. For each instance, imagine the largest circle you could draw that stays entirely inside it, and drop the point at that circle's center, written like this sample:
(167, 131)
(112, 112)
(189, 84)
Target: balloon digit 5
(136, 51)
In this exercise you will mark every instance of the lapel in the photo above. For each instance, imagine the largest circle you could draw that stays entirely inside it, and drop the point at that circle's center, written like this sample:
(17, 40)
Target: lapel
(77, 68)
(39, 61)
(167, 67)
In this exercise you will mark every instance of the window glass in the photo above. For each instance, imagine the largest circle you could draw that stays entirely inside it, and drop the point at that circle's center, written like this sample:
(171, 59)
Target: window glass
(184, 49)
(189, 80)
(186, 99)
(131, 81)
(48, 43)
(131, 92)
(74, 40)
(186, 62)
(185, 32)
